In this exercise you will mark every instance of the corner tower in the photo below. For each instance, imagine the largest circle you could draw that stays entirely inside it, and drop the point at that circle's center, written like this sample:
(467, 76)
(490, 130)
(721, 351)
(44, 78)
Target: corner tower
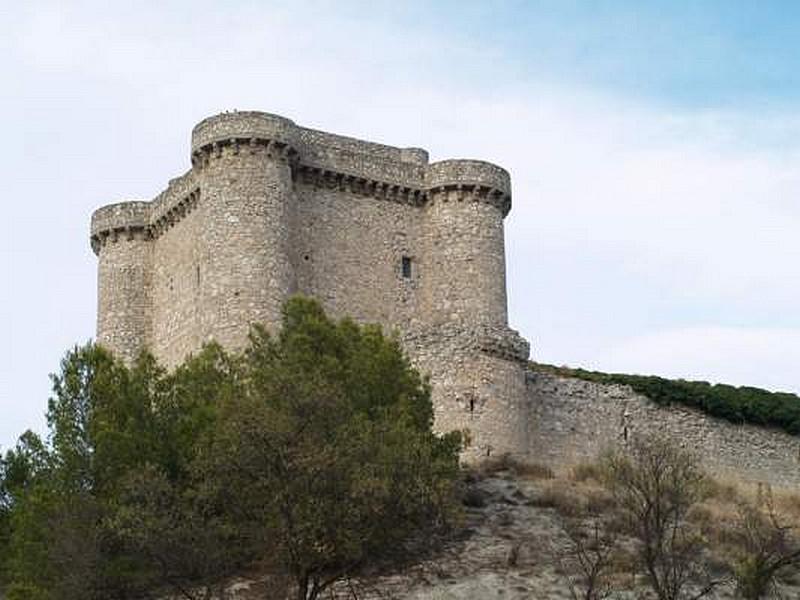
(120, 237)
(477, 363)
(243, 163)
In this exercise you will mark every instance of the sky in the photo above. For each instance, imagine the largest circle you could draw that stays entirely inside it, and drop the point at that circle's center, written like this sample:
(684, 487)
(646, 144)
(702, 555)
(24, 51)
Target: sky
(654, 149)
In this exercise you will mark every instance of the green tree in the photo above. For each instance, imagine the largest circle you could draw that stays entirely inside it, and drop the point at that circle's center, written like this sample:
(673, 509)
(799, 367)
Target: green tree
(19, 470)
(106, 423)
(311, 452)
(329, 454)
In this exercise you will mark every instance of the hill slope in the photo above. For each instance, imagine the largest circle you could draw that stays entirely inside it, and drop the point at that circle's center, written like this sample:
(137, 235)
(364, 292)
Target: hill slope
(514, 544)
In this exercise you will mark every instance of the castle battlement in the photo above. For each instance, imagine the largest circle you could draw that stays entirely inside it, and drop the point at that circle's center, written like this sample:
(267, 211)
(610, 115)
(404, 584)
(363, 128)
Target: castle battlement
(375, 232)
(124, 220)
(348, 162)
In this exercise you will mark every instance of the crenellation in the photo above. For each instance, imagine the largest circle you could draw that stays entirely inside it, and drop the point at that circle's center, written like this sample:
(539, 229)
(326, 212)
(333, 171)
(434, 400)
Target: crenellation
(324, 178)
(470, 193)
(244, 125)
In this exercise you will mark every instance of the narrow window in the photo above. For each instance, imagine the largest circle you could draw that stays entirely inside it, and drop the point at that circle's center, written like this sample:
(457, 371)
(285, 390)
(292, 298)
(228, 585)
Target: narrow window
(406, 267)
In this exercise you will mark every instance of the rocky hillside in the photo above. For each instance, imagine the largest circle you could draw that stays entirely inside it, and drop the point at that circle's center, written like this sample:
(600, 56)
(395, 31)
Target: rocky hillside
(514, 544)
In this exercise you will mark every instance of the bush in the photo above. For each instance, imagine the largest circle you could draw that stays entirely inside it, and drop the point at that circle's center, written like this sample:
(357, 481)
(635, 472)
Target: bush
(655, 486)
(311, 452)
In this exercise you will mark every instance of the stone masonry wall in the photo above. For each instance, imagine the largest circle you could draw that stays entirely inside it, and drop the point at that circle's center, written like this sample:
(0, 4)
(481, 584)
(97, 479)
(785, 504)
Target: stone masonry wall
(350, 250)
(247, 198)
(123, 276)
(572, 420)
(175, 290)
(374, 232)
(479, 384)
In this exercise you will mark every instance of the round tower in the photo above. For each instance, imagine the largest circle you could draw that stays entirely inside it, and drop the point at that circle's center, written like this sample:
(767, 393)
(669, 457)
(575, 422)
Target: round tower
(120, 238)
(477, 364)
(466, 267)
(243, 162)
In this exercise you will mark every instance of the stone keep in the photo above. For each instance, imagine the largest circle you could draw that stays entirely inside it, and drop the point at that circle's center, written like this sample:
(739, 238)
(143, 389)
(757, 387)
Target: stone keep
(270, 209)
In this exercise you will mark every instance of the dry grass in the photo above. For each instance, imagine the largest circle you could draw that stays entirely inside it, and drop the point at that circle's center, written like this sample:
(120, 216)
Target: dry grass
(530, 471)
(586, 471)
(578, 497)
(720, 516)
(577, 493)
(573, 499)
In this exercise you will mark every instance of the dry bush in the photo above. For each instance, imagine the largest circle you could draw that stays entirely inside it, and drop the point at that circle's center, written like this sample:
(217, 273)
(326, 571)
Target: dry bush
(586, 471)
(715, 520)
(560, 495)
(534, 471)
(598, 500)
(490, 467)
(655, 485)
(573, 500)
(768, 550)
(518, 468)
(589, 562)
(726, 490)
(787, 504)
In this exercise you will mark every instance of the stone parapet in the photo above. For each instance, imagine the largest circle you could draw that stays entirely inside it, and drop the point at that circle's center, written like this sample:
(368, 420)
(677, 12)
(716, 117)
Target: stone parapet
(501, 342)
(477, 173)
(317, 144)
(469, 180)
(173, 204)
(119, 221)
(221, 128)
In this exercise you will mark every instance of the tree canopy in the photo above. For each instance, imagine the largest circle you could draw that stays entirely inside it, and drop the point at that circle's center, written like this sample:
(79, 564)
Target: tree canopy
(309, 453)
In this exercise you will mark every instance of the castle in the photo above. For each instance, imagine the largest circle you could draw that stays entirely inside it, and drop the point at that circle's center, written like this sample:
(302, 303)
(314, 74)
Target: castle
(378, 233)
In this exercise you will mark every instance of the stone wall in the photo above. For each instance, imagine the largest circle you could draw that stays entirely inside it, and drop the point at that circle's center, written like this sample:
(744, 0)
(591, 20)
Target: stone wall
(478, 384)
(175, 290)
(572, 420)
(349, 253)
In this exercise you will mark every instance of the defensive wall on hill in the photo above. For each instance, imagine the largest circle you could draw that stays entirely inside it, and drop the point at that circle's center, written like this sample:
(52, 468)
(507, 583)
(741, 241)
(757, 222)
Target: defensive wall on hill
(269, 209)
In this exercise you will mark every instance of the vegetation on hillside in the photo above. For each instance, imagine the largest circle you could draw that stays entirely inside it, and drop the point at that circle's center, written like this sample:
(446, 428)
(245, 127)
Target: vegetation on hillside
(645, 521)
(310, 454)
(734, 404)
